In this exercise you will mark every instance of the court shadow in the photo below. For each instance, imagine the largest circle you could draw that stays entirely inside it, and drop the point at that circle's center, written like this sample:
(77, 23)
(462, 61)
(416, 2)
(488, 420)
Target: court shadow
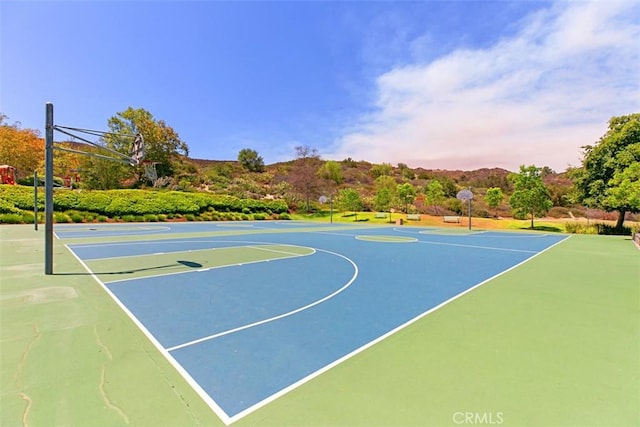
(190, 264)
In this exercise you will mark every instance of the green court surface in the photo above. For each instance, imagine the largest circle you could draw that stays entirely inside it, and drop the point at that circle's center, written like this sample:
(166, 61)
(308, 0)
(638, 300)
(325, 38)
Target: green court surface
(554, 342)
(165, 263)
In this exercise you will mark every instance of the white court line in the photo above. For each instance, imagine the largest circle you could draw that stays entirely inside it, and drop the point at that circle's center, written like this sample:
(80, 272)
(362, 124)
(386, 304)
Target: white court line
(445, 244)
(428, 242)
(226, 419)
(439, 232)
(376, 341)
(158, 253)
(133, 231)
(200, 270)
(280, 316)
(160, 243)
(277, 252)
(188, 378)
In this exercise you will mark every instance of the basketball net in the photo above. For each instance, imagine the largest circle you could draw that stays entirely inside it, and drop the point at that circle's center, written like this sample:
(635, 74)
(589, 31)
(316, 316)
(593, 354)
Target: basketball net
(150, 171)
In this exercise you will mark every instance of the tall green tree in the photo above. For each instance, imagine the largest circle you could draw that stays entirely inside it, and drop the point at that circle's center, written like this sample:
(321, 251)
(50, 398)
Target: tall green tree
(162, 143)
(494, 197)
(385, 193)
(251, 160)
(625, 188)
(434, 194)
(406, 195)
(603, 179)
(530, 196)
(100, 174)
(349, 200)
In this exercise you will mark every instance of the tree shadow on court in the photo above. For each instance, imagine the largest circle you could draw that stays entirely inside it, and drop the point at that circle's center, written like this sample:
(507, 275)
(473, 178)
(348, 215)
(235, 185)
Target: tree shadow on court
(190, 264)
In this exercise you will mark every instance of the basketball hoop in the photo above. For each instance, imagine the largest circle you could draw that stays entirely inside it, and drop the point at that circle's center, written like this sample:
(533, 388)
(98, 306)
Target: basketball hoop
(150, 171)
(137, 150)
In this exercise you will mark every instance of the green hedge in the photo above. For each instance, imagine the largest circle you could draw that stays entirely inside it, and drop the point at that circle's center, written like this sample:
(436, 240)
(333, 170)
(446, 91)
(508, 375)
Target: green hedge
(114, 203)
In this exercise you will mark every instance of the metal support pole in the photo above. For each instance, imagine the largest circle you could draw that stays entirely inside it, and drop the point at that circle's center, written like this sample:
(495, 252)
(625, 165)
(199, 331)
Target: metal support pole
(48, 191)
(469, 214)
(35, 200)
(331, 208)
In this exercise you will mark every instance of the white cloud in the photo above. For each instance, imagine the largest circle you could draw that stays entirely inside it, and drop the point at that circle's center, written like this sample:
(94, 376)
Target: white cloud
(534, 98)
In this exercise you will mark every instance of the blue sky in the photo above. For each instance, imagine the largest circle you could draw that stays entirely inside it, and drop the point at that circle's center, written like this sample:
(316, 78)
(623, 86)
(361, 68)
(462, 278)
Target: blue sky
(434, 84)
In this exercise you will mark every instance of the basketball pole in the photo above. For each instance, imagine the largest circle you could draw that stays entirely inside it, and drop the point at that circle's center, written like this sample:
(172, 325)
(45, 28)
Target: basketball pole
(35, 199)
(469, 210)
(48, 191)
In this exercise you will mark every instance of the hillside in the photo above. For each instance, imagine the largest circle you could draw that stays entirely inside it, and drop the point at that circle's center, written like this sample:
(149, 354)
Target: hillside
(281, 180)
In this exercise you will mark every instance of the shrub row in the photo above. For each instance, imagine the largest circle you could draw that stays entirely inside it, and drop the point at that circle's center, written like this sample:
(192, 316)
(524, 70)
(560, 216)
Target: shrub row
(26, 217)
(597, 228)
(114, 203)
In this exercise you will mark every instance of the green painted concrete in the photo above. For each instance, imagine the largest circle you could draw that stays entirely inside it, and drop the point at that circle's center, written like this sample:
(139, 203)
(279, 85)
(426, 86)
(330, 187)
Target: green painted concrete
(131, 267)
(555, 342)
(70, 357)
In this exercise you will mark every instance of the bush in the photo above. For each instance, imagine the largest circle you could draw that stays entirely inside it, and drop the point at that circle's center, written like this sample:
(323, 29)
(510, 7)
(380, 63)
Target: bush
(150, 218)
(454, 205)
(480, 213)
(11, 218)
(579, 228)
(76, 217)
(20, 197)
(607, 229)
(60, 217)
(118, 203)
(7, 207)
(28, 217)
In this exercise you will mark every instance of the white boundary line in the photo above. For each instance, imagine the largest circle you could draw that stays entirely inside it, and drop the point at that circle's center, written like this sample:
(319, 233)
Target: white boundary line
(218, 410)
(188, 378)
(438, 231)
(385, 238)
(200, 270)
(127, 231)
(160, 242)
(110, 227)
(278, 252)
(428, 242)
(194, 384)
(280, 316)
(377, 340)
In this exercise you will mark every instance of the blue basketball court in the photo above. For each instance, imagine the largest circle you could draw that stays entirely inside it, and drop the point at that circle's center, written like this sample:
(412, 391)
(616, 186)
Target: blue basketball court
(247, 311)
